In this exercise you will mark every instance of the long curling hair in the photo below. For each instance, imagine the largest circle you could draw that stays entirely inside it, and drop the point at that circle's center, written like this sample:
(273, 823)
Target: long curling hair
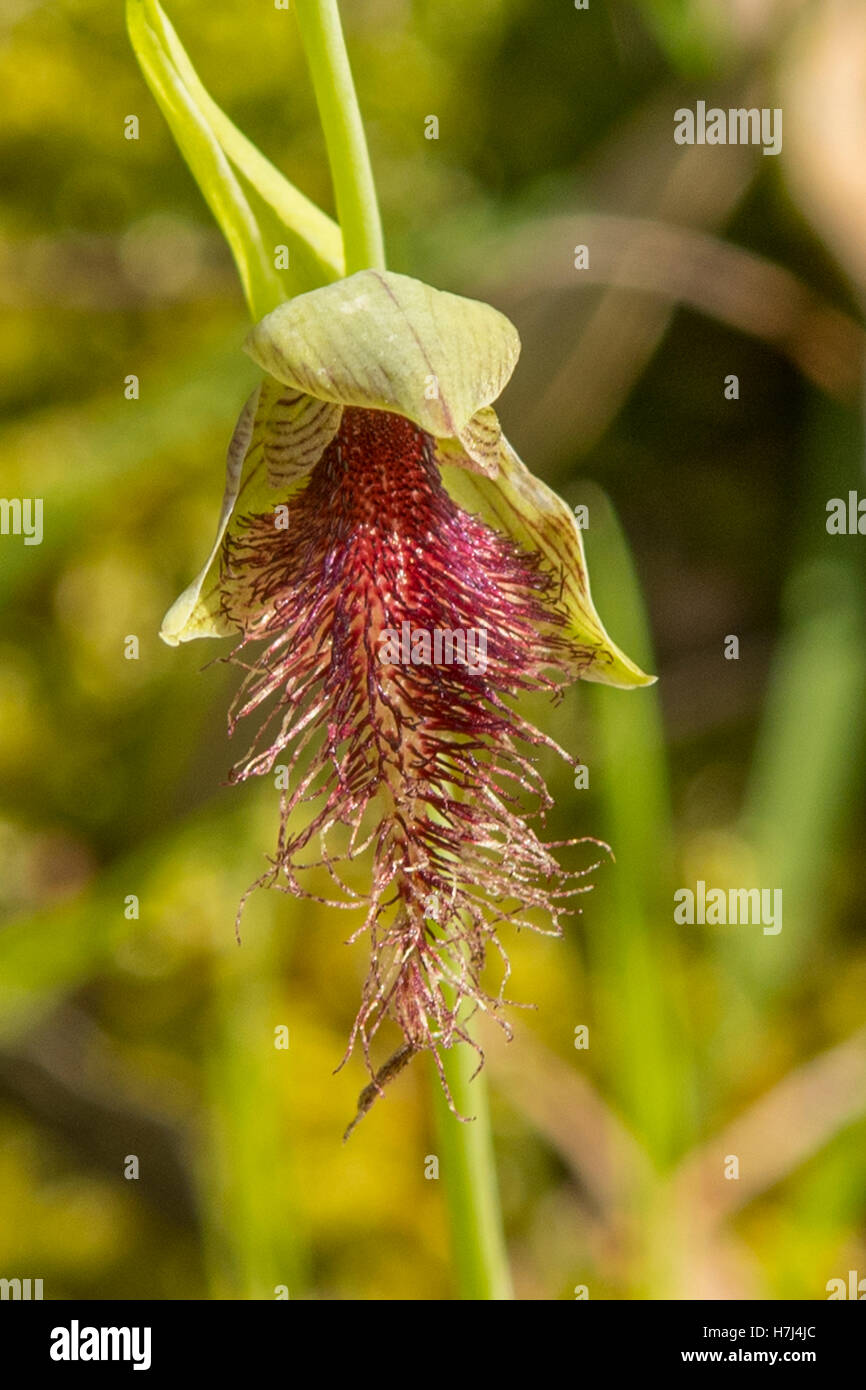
(422, 764)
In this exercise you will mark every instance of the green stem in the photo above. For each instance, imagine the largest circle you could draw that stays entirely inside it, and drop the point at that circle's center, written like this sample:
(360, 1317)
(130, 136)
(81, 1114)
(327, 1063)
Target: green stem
(468, 1161)
(354, 189)
(468, 1168)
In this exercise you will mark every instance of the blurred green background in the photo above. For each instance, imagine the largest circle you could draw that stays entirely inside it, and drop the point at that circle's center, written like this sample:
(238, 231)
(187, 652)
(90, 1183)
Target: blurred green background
(155, 1036)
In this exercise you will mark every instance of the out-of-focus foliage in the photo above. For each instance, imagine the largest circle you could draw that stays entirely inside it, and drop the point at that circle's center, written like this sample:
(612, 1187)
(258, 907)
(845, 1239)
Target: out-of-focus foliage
(154, 1036)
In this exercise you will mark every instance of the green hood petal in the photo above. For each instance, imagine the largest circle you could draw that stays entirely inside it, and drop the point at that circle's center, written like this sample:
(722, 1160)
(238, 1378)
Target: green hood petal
(388, 342)
(518, 503)
(279, 437)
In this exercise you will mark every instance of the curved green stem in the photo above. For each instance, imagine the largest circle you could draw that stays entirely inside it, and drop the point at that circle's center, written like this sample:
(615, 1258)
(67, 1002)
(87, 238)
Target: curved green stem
(354, 189)
(468, 1166)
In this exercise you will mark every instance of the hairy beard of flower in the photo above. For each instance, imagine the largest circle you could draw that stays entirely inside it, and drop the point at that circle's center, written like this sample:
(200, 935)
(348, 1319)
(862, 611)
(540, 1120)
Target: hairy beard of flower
(419, 764)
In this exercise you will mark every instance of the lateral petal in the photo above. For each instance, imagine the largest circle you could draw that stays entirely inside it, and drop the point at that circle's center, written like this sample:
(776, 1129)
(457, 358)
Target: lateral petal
(524, 507)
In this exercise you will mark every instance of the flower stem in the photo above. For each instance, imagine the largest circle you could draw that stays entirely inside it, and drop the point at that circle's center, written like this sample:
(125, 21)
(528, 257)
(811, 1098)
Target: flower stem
(354, 190)
(468, 1161)
(469, 1171)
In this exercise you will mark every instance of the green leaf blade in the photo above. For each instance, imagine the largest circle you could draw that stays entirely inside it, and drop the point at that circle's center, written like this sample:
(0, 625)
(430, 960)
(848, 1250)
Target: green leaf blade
(256, 208)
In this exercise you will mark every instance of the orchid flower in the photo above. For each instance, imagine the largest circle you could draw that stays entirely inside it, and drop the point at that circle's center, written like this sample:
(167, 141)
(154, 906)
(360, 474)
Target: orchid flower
(394, 578)
(354, 530)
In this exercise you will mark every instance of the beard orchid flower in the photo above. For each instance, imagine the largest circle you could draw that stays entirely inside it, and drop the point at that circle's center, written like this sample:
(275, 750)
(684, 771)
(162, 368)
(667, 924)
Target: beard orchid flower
(394, 578)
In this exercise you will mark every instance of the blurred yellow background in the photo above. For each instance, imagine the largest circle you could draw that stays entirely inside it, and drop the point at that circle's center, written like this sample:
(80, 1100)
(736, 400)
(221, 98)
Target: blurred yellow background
(153, 1035)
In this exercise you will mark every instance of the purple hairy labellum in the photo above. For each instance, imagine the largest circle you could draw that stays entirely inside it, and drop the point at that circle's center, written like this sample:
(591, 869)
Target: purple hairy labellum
(424, 581)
